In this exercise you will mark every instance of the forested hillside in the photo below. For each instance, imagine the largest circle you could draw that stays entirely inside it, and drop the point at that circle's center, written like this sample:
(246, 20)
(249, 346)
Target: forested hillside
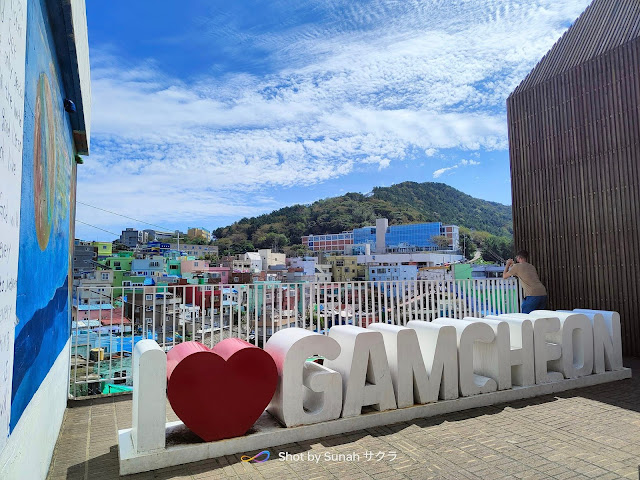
(407, 202)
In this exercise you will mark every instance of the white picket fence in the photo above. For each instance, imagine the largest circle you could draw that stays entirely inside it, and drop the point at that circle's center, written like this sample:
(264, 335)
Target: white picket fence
(108, 321)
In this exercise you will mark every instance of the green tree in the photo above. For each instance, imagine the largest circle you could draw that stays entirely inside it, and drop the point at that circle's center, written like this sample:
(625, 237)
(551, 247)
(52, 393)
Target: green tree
(497, 248)
(212, 257)
(441, 241)
(467, 244)
(272, 240)
(297, 250)
(119, 247)
(224, 246)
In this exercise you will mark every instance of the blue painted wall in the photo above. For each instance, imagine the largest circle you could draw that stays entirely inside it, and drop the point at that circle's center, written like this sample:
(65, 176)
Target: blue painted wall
(46, 229)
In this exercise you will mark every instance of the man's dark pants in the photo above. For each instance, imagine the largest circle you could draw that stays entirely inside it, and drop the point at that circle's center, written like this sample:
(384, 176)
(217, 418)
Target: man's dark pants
(532, 303)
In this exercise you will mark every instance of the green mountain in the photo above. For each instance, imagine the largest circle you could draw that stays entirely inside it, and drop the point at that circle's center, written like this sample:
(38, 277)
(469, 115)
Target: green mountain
(407, 202)
(438, 202)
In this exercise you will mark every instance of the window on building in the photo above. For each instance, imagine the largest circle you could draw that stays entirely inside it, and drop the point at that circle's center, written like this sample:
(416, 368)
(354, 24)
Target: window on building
(105, 276)
(148, 296)
(126, 284)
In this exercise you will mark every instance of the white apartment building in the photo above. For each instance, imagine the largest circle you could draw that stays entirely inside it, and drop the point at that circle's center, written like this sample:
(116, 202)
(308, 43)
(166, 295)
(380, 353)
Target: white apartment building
(323, 273)
(255, 260)
(270, 258)
(308, 264)
(93, 288)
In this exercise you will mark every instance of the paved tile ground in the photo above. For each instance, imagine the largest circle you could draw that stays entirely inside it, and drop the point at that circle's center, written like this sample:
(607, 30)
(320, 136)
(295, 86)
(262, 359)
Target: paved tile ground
(588, 433)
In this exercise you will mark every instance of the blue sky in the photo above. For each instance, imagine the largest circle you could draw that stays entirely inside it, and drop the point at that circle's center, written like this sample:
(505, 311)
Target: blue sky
(205, 112)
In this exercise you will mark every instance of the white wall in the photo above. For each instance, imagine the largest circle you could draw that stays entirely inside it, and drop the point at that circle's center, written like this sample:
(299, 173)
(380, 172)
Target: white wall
(255, 259)
(13, 33)
(28, 452)
(81, 37)
(397, 272)
(270, 258)
(309, 266)
(429, 258)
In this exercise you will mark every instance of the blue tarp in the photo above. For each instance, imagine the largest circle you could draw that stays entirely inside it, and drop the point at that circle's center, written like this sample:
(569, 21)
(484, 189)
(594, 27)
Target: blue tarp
(86, 308)
(111, 343)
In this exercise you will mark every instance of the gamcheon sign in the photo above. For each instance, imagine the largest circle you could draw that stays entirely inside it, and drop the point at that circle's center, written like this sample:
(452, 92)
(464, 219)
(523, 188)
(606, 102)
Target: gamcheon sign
(238, 398)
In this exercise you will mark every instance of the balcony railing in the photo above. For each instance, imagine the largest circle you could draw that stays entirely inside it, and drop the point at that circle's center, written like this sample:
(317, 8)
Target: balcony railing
(104, 332)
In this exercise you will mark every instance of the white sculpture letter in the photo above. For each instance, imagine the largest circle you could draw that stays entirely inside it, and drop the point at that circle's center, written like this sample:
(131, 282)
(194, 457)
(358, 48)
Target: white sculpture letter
(468, 334)
(307, 392)
(493, 359)
(545, 351)
(439, 347)
(366, 379)
(576, 338)
(149, 396)
(607, 339)
(523, 371)
(406, 364)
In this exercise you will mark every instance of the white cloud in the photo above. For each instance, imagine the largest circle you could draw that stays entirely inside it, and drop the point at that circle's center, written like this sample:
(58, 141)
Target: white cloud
(438, 173)
(462, 163)
(430, 152)
(367, 88)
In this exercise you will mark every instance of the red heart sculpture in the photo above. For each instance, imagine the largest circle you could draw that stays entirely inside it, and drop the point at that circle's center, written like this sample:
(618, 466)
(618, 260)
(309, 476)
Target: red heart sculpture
(220, 392)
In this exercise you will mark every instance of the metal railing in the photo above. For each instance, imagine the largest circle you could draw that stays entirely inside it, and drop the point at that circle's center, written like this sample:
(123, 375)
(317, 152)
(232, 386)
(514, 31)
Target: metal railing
(108, 321)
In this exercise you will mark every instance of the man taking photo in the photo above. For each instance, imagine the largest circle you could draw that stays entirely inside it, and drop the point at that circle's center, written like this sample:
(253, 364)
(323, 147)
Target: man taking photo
(535, 295)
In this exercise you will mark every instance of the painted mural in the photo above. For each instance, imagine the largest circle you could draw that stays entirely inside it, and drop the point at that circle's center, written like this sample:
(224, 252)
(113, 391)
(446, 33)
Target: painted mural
(46, 220)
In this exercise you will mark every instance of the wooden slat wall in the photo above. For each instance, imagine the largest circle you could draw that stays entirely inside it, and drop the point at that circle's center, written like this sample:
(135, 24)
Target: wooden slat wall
(604, 25)
(574, 145)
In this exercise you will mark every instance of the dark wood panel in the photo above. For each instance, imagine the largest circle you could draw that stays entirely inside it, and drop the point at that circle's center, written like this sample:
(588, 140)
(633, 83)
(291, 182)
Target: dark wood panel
(574, 146)
(603, 26)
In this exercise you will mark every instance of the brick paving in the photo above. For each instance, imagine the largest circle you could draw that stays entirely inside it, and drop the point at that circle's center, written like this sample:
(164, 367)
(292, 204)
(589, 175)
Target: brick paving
(587, 433)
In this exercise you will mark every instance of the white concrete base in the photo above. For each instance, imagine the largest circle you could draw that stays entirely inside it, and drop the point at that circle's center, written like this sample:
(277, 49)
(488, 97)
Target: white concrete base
(184, 447)
(28, 452)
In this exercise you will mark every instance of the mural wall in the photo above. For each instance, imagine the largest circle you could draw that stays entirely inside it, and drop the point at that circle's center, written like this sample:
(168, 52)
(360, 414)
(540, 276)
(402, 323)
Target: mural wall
(46, 219)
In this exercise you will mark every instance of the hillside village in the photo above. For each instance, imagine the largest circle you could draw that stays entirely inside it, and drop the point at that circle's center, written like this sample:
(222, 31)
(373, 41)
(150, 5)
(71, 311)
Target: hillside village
(152, 258)
(353, 259)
